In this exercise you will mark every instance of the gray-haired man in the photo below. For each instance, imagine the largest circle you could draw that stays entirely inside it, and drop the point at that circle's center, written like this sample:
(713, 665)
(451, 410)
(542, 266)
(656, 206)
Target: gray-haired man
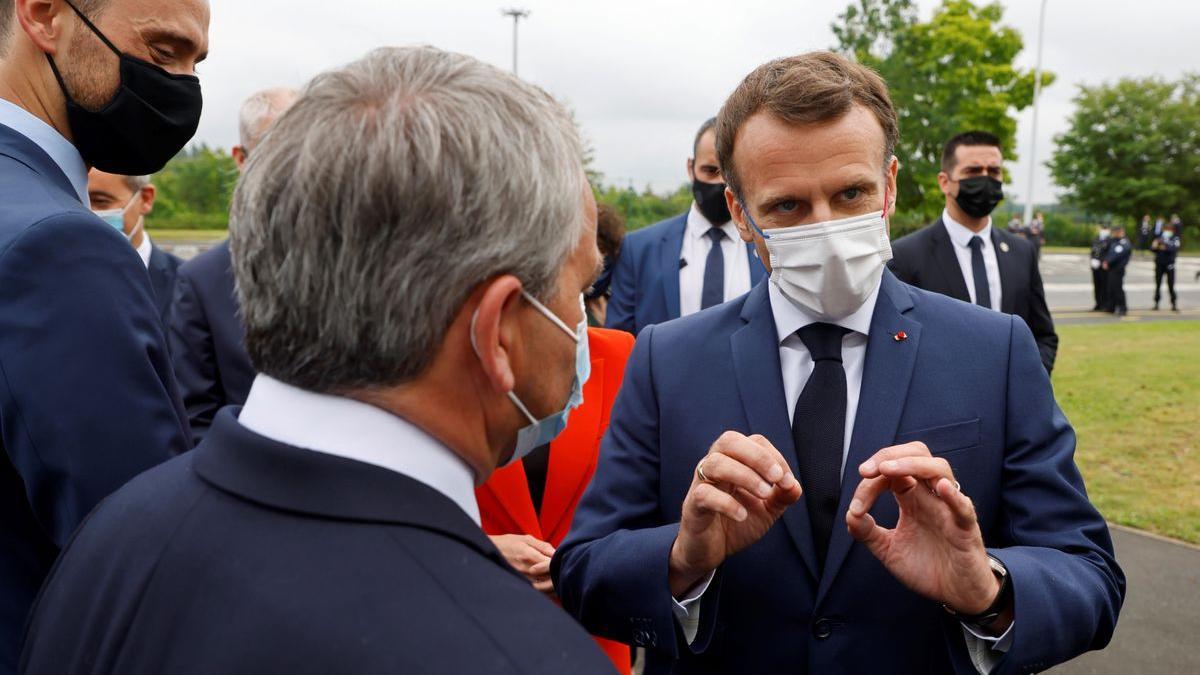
(412, 321)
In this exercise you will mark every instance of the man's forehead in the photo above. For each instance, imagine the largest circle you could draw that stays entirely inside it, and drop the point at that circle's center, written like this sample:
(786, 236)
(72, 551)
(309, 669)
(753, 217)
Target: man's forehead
(771, 151)
(188, 19)
(986, 155)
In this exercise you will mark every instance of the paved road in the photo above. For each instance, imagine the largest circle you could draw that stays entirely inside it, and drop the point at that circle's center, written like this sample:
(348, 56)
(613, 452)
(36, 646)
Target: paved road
(1157, 629)
(1068, 281)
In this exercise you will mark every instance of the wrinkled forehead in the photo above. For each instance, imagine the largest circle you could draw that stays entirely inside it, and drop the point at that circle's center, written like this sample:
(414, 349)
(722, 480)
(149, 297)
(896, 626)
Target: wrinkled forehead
(183, 19)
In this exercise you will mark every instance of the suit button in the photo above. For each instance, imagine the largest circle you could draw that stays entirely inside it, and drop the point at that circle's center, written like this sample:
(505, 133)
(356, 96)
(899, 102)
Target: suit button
(822, 629)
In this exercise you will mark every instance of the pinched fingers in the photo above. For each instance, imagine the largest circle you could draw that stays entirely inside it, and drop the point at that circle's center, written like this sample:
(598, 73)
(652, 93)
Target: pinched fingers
(929, 470)
(870, 468)
(724, 470)
(709, 498)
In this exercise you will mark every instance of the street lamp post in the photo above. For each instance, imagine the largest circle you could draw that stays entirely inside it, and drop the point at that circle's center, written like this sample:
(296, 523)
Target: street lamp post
(1037, 90)
(517, 15)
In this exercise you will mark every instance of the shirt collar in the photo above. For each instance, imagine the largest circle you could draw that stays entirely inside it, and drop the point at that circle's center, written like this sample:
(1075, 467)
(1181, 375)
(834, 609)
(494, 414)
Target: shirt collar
(340, 426)
(791, 317)
(50, 141)
(698, 226)
(961, 235)
(146, 249)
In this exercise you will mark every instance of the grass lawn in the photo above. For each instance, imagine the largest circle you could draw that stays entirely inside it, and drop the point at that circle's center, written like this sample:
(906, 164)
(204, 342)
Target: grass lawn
(174, 236)
(1132, 391)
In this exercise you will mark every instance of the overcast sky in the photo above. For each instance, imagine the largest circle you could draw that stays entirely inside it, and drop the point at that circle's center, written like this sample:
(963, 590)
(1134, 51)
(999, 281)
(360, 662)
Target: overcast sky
(642, 75)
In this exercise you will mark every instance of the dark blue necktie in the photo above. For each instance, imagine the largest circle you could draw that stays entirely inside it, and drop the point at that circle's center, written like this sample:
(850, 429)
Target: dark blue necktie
(713, 291)
(819, 430)
(983, 294)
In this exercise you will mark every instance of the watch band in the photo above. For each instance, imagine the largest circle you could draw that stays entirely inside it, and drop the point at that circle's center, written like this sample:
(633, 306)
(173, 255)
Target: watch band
(988, 616)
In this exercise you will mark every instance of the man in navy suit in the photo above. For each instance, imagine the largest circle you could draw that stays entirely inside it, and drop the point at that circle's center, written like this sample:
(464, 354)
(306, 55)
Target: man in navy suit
(87, 398)
(687, 263)
(933, 519)
(963, 256)
(330, 524)
(204, 327)
(124, 202)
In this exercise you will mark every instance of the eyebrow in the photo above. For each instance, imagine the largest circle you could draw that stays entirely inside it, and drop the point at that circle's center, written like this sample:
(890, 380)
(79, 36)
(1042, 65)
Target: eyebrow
(100, 194)
(856, 182)
(157, 34)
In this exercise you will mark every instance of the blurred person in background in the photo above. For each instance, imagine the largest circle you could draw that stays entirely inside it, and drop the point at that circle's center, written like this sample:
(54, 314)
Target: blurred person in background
(1115, 262)
(204, 328)
(1166, 250)
(124, 202)
(1100, 275)
(1144, 233)
(610, 233)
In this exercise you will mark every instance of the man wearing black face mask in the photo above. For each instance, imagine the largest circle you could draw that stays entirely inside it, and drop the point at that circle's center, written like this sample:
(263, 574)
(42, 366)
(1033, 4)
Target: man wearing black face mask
(963, 256)
(87, 397)
(687, 263)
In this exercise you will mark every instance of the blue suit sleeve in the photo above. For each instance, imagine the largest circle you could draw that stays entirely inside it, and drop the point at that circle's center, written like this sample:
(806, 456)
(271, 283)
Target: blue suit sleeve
(1067, 584)
(611, 572)
(194, 357)
(622, 304)
(87, 397)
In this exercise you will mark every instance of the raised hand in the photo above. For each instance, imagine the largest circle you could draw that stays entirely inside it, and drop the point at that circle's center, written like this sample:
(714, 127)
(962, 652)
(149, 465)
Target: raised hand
(738, 491)
(936, 548)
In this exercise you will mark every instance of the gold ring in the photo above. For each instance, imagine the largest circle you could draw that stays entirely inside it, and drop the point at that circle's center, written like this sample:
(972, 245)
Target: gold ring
(700, 472)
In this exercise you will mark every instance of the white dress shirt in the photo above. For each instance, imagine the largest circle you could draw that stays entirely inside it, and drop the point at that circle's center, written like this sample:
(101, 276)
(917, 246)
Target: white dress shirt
(145, 249)
(340, 426)
(960, 237)
(50, 141)
(797, 366)
(694, 250)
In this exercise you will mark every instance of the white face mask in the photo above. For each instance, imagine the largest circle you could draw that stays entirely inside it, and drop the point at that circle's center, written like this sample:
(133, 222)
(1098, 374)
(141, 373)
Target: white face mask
(828, 268)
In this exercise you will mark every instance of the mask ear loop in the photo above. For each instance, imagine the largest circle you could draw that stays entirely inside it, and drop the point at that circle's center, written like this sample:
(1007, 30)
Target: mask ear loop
(750, 219)
(511, 396)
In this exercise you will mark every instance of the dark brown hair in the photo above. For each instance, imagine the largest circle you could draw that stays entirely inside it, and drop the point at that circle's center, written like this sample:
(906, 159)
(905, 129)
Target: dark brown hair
(805, 89)
(967, 138)
(610, 231)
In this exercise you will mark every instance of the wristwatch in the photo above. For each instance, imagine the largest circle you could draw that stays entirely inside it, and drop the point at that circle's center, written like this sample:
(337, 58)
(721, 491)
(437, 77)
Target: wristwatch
(988, 616)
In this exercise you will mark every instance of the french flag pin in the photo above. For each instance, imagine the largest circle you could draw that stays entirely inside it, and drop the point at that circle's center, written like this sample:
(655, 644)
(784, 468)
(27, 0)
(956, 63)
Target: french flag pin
(900, 337)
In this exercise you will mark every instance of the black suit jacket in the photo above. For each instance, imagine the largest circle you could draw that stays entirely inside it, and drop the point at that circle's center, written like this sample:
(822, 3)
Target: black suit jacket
(87, 399)
(163, 269)
(251, 556)
(207, 339)
(926, 260)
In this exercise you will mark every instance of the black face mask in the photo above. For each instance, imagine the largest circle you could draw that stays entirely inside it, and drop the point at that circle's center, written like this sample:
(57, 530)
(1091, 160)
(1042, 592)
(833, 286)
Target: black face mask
(979, 195)
(149, 119)
(710, 198)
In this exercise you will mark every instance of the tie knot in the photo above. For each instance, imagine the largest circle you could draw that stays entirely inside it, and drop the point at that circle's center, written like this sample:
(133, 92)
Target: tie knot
(824, 341)
(976, 243)
(716, 234)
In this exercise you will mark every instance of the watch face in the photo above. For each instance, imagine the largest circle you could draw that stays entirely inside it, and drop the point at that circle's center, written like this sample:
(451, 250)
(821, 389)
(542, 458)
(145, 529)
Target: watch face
(997, 567)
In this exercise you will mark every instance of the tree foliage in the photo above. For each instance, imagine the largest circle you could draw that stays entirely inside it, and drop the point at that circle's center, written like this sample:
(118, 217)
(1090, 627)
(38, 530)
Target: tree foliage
(646, 207)
(950, 74)
(194, 190)
(1133, 148)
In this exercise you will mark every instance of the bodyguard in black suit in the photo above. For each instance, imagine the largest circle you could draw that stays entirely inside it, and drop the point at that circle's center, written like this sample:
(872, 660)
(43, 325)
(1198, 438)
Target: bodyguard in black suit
(964, 256)
(87, 399)
(330, 524)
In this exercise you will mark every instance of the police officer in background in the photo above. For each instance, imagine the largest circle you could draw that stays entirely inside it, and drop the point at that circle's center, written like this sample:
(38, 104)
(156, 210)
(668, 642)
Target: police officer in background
(1100, 275)
(1115, 261)
(1166, 248)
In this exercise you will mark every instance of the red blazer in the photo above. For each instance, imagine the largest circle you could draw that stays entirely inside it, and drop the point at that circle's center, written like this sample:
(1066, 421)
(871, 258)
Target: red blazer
(504, 501)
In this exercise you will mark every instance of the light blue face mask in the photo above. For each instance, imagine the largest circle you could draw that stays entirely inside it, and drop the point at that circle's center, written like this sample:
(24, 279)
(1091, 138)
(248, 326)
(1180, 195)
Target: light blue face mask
(116, 217)
(540, 432)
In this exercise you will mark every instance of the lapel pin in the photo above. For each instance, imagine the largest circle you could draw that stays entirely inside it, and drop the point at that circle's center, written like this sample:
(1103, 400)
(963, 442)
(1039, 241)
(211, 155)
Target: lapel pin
(900, 337)
(1004, 246)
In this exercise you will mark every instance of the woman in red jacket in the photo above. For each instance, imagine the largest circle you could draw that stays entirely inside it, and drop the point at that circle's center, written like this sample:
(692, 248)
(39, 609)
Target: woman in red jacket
(527, 506)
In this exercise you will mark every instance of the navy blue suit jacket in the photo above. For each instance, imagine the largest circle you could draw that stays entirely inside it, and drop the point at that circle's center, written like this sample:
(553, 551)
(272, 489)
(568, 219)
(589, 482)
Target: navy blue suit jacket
(251, 556)
(163, 269)
(645, 282)
(966, 381)
(87, 399)
(208, 341)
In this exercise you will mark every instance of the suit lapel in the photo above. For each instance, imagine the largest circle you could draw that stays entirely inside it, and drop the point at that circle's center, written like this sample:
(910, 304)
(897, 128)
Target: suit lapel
(1006, 262)
(672, 245)
(886, 375)
(573, 456)
(756, 362)
(159, 280)
(30, 154)
(947, 262)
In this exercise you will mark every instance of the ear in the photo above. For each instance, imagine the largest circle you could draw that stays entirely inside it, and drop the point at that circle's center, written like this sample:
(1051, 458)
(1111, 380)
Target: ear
(892, 173)
(148, 194)
(239, 156)
(496, 331)
(43, 21)
(691, 169)
(739, 216)
(944, 183)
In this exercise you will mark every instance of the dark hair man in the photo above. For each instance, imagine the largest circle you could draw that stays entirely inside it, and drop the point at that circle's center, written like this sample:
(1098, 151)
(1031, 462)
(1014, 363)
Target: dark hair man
(687, 263)
(1166, 250)
(330, 524)
(124, 202)
(933, 520)
(963, 256)
(1115, 262)
(87, 397)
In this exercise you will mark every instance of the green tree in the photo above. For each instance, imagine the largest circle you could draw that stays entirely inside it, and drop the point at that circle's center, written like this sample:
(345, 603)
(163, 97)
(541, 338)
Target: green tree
(951, 74)
(645, 208)
(1133, 148)
(195, 189)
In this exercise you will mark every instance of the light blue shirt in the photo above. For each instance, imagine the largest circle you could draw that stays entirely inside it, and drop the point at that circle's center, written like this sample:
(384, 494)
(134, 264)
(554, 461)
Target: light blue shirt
(50, 141)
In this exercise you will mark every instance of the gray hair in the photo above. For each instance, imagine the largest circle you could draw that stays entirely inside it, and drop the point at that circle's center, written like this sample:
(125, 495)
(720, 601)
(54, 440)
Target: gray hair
(259, 111)
(136, 183)
(392, 189)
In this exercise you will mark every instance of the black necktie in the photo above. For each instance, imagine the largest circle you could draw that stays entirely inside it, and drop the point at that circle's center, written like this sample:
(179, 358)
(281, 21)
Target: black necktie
(819, 430)
(983, 294)
(713, 291)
